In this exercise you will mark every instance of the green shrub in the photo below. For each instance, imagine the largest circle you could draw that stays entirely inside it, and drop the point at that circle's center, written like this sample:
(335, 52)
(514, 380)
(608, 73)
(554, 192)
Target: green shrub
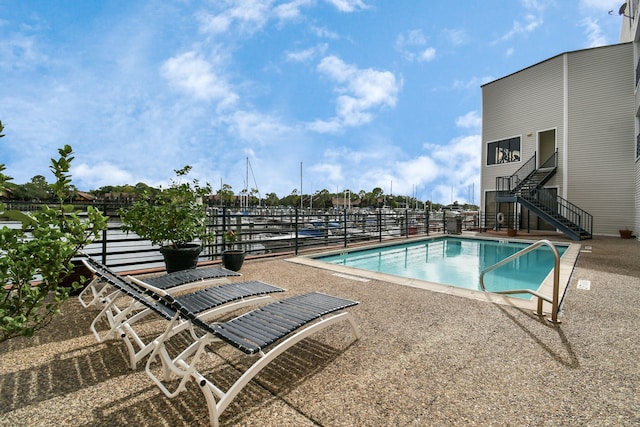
(173, 216)
(36, 258)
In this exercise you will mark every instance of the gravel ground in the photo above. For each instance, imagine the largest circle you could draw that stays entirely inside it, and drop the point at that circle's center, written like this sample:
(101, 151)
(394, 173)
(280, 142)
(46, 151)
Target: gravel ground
(424, 358)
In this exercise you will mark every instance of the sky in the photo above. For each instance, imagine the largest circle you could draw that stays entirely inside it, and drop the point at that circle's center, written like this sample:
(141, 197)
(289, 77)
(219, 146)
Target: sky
(311, 94)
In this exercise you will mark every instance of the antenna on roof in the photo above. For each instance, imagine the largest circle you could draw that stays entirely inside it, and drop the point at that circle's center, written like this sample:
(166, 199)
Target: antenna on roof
(621, 11)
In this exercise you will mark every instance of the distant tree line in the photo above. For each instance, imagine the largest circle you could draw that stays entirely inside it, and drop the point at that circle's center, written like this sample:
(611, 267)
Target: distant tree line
(38, 190)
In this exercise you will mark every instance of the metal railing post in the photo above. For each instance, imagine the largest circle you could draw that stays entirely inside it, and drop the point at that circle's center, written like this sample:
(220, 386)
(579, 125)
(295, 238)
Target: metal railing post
(345, 228)
(406, 223)
(554, 300)
(104, 237)
(296, 226)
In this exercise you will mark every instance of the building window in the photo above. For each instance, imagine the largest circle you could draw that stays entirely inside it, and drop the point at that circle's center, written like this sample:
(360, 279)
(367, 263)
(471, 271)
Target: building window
(505, 151)
(638, 147)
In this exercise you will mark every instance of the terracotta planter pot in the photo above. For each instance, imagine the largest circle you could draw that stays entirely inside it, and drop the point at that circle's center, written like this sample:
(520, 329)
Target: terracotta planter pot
(625, 234)
(511, 232)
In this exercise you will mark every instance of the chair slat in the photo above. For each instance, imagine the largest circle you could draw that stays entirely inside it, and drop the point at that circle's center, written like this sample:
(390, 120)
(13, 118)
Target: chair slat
(255, 330)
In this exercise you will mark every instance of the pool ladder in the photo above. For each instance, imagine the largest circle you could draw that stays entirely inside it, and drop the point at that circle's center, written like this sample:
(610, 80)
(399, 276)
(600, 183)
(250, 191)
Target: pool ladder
(554, 300)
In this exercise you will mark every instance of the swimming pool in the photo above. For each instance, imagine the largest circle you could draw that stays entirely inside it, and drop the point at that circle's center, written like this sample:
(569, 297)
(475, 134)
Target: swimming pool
(453, 265)
(456, 262)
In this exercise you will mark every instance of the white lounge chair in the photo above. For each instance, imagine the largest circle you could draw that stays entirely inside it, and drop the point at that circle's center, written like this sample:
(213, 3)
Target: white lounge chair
(207, 303)
(267, 332)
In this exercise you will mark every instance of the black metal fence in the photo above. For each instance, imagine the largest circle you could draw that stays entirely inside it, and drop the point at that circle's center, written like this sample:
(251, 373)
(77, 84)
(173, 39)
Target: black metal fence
(276, 231)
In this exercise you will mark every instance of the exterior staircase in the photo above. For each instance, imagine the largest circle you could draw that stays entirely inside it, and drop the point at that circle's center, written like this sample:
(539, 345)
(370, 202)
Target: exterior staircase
(526, 187)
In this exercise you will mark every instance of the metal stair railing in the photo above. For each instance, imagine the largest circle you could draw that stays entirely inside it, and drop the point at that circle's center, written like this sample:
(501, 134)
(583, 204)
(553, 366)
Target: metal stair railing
(507, 184)
(554, 300)
(519, 179)
(551, 162)
(527, 184)
(562, 210)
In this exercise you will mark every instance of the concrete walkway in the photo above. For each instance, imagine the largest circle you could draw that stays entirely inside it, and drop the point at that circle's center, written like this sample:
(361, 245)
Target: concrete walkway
(424, 358)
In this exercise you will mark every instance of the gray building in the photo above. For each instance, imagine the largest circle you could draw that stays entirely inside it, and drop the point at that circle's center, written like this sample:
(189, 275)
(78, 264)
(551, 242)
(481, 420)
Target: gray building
(559, 145)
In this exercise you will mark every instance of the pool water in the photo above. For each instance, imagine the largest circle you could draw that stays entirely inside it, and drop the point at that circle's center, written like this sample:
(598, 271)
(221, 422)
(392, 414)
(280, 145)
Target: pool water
(456, 262)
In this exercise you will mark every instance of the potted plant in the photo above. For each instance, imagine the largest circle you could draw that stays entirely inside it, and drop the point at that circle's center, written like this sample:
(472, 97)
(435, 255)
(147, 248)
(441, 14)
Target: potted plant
(232, 258)
(36, 259)
(173, 218)
(625, 233)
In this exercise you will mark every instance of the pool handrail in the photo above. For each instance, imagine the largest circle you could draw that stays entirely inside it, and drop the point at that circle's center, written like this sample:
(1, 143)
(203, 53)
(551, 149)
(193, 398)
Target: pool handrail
(554, 300)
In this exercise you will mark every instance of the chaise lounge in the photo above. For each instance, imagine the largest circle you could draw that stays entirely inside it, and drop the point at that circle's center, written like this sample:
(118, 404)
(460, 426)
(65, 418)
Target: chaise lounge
(97, 291)
(206, 304)
(267, 332)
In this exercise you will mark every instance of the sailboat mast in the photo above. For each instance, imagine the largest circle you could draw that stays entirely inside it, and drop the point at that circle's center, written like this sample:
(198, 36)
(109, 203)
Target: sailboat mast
(246, 185)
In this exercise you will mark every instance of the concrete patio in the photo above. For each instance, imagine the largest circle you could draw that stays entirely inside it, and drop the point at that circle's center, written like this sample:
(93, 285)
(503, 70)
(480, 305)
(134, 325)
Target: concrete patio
(424, 358)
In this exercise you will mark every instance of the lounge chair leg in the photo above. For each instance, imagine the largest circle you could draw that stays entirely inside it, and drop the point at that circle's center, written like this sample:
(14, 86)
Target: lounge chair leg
(212, 404)
(354, 327)
(87, 300)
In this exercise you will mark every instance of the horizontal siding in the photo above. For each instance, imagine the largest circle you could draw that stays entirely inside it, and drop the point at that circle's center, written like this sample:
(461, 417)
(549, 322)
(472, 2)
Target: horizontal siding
(636, 227)
(602, 176)
(521, 105)
(601, 136)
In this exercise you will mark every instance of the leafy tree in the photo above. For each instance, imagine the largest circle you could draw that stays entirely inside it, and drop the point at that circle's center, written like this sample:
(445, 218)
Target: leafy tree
(37, 189)
(373, 198)
(322, 199)
(4, 179)
(253, 197)
(272, 199)
(226, 195)
(292, 199)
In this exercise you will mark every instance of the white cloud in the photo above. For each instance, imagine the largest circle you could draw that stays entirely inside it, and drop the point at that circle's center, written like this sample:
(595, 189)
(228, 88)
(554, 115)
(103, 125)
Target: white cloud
(413, 38)
(361, 90)
(101, 174)
(427, 55)
(246, 15)
(530, 24)
(602, 5)
(290, 10)
(194, 75)
(324, 33)
(411, 45)
(532, 19)
(473, 83)
(257, 128)
(331, 172)
(595, 36)
(302, 55)
(348, 5)
(306, 55)
(325, 126)
(471, 120)
(455, 165)
(456, 37)
(459, 163)
(418, 171)
(215, 24)
(249, 16)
